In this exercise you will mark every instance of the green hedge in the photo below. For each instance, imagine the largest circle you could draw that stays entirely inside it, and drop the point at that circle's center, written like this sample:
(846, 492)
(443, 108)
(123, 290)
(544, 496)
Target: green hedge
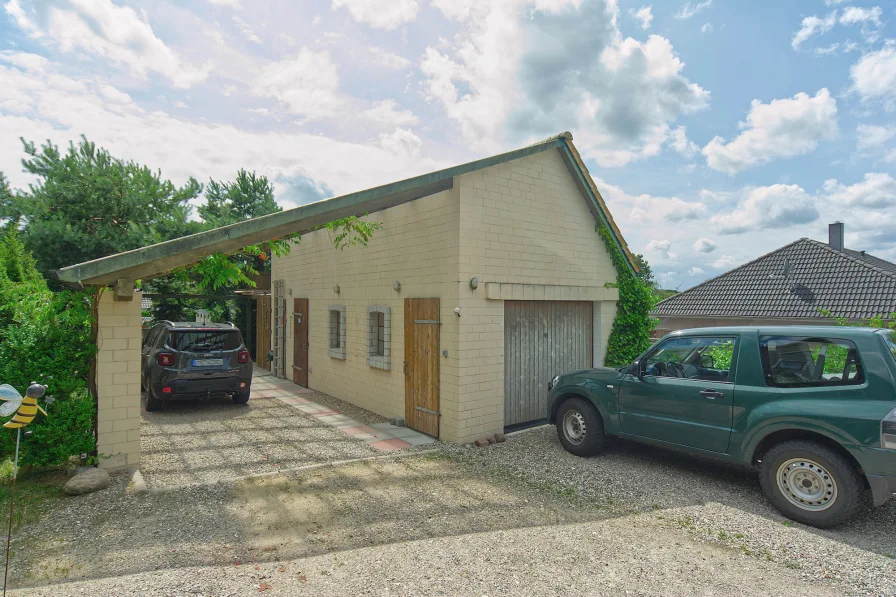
(630, 335)
(45, 337)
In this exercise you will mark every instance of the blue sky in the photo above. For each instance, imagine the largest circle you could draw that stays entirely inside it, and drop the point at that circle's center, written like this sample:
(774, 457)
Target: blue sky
(716, 131)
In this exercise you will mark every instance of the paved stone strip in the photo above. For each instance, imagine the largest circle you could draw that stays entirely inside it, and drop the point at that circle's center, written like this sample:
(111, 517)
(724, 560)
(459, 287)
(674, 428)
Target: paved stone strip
(384, 437)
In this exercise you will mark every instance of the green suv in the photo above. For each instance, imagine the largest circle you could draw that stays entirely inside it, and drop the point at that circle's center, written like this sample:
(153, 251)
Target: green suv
(813, 407)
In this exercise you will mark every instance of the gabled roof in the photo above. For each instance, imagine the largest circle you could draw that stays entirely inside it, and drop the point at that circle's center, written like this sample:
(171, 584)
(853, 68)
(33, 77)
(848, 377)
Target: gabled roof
(849, 284)
(160, 258)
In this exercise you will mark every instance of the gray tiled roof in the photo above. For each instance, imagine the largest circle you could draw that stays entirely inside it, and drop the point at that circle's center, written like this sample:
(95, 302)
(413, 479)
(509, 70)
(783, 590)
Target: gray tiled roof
(848, 284)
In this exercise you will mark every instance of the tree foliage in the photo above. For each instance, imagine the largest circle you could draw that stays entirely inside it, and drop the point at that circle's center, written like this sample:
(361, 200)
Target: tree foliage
(630, 335)
(247, 197)
(87, 204)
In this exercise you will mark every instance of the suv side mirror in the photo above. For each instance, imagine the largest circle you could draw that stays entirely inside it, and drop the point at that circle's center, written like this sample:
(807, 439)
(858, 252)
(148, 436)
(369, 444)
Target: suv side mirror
(707, 362)
(636, 369)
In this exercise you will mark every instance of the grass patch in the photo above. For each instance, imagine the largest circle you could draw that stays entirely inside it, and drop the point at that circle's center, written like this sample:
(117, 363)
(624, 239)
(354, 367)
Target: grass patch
(36, 492)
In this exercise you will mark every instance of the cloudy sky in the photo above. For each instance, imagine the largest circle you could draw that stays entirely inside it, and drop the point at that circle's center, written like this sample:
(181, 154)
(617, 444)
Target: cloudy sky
(716, 130)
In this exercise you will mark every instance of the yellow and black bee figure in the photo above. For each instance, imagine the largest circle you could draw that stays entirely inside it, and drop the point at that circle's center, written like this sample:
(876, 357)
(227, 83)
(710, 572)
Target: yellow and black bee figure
(25, 409)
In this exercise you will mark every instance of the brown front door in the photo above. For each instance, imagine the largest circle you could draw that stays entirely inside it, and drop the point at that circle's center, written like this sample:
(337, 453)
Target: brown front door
(300, 342)
(421, 348)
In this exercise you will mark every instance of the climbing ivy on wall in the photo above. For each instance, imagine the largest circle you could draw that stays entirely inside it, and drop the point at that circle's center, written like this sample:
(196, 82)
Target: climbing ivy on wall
(630, 335)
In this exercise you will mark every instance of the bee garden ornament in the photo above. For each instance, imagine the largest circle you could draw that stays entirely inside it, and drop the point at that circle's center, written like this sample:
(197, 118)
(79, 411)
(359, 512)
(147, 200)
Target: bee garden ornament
(25, 409)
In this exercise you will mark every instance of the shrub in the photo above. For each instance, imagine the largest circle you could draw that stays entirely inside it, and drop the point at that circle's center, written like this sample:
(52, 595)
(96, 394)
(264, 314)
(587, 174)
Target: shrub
(45, 337)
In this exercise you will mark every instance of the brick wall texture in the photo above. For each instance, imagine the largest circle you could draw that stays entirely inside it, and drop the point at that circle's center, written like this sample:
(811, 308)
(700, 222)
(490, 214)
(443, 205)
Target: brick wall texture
(522, 222)
(118, 381)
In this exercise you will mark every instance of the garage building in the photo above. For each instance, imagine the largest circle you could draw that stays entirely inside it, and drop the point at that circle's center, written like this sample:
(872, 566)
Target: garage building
(485, 280)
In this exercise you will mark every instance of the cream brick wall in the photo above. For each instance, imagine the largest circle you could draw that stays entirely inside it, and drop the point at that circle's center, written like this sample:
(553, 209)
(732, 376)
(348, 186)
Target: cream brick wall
(522, 222)
(418, 247)
(118, 381)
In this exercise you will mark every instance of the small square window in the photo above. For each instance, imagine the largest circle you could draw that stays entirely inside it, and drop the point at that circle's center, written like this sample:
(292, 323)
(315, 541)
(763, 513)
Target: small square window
(337, 331)
(379, 336)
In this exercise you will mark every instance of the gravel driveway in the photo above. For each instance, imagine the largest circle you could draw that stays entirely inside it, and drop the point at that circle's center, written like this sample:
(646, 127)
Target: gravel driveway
(410, 525)
(200, 442)
(713, 501)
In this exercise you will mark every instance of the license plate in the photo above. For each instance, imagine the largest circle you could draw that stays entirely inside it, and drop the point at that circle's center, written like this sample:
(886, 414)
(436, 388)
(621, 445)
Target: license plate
(207, 362)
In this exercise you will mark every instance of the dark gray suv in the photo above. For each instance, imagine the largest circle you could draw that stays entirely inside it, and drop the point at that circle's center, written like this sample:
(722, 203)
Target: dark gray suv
(194, 361)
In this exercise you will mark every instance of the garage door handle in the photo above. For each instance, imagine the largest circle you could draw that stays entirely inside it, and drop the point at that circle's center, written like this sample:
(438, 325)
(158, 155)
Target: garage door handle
(711, 394)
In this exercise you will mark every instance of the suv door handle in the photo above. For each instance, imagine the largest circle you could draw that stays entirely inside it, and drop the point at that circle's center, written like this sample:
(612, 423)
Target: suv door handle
(711, 394)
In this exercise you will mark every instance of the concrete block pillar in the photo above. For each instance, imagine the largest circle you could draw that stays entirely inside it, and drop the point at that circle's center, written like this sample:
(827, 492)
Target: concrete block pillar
(119, 340)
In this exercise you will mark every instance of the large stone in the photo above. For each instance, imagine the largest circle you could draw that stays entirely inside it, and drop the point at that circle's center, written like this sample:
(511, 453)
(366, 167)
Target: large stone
(87, 482)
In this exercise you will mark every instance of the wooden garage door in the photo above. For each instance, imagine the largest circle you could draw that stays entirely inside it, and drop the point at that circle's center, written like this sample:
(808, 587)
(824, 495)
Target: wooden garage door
(541, 340)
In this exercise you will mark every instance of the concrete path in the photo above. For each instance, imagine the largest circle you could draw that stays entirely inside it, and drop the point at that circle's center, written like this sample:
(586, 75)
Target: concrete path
(379, 436)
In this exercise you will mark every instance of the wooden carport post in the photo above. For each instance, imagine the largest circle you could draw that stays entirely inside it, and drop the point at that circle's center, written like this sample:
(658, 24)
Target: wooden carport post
(119, 339)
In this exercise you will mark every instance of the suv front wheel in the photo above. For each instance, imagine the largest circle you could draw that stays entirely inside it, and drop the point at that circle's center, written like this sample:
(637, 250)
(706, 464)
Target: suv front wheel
(580, 428)
(810, 483)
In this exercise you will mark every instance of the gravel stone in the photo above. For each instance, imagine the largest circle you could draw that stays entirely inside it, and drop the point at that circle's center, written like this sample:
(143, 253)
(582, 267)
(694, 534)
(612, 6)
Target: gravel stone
(88, 481)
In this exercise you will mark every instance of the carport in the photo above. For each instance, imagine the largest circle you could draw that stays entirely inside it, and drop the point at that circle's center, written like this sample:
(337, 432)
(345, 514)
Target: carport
(118, 308)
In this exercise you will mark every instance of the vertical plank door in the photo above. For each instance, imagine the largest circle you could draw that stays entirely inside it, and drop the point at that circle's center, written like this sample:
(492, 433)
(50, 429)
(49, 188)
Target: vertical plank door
(263, 332)
(421, 349)
(300, 342)
(541, 339)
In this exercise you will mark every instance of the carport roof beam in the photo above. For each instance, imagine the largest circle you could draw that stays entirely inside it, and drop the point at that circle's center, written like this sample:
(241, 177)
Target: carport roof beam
(160, 258)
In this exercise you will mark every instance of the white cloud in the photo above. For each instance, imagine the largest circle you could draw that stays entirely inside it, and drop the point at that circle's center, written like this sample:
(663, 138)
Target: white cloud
(401, 142)
(813, 26)
(246, 30)
(705, 245)
(870, 136)
(231, 3)
(689, 10)
(520, 67)
(706, 28)
(695, 271)
(831, 49)
(775, 206)
(661, 248)
(780, 129)
(874, 75)
(680, 142)
(53, 105)
(100, 28)
(385, 113)
(724, 262)
(644, 15)
(876, 190)
(380, 14)
(387, 59)
(853, 15)
(635, 211)
(307, 84)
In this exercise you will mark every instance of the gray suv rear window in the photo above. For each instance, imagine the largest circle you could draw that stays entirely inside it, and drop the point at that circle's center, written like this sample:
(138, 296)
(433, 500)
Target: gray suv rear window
(204, 340)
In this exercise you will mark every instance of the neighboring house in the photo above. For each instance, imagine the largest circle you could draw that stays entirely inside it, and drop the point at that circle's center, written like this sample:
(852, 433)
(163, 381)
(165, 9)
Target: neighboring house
(486, 280)
(463, 307)
(796, 284)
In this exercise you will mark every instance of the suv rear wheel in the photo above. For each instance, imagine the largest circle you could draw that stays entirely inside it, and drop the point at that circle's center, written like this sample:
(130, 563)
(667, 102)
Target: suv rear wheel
(580, 428)
(152, 403)
(811, 483)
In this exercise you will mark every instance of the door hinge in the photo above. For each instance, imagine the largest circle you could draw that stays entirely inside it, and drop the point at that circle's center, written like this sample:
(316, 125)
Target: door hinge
(426, 410)
(432, 321)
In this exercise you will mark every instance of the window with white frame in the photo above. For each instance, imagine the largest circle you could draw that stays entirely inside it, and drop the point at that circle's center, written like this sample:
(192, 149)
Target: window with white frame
(337, 331)
(379, 336)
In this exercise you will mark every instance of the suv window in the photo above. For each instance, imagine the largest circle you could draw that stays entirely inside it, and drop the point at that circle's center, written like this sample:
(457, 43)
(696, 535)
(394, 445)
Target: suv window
(204, 340)
(701, 358)
(799, 361)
